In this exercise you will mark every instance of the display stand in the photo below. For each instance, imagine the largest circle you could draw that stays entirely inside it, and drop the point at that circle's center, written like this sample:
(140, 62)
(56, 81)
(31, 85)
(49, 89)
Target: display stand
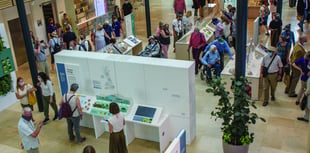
(135, 43)
(254, 60)
(150, 124)
(207, 28)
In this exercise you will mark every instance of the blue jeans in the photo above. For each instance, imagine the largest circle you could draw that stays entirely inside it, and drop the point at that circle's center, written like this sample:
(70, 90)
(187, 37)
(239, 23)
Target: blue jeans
(217, 68)
(74, 122)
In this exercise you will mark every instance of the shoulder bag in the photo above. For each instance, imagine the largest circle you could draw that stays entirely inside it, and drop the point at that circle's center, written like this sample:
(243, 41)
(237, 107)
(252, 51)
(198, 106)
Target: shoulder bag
(265, 69)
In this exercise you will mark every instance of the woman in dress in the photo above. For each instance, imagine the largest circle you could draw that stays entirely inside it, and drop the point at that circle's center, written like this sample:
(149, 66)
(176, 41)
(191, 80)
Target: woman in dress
(22, 92)
(116, 125)
(99, 37)
(48, 96)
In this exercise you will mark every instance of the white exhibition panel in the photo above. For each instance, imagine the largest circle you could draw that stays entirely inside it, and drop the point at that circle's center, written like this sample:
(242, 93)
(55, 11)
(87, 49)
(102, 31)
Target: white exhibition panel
(165, 83)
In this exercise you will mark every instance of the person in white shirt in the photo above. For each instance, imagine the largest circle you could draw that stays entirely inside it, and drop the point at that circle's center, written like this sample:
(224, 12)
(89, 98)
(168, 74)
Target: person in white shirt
(28, 133)
(178, 29)
(22, 92)
(274, 73)
(48, 95)
(116, 124)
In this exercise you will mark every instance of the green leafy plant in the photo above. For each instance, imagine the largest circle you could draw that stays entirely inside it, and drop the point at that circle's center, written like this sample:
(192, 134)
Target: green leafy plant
(236, 116)
(5, 86)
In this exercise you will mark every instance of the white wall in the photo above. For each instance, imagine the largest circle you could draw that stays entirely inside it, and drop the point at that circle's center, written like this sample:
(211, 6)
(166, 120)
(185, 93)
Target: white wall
(37, 14)
(61, 9)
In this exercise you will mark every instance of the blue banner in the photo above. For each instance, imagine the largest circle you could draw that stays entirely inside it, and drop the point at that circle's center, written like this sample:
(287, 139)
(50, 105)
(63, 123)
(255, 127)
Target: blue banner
(182, 137)
(62, 76)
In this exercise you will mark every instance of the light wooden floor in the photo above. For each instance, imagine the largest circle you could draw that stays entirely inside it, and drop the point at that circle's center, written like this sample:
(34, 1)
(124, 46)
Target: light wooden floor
(282, 133)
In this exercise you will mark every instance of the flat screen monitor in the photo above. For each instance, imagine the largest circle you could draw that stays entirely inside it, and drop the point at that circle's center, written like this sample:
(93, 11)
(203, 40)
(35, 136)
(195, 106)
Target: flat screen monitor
(145, 111)
(101, 7)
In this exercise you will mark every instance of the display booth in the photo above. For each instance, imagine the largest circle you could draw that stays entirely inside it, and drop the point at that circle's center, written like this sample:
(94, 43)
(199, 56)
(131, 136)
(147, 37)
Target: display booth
(160, 93)
(7, 72)
(134, 43)
(253, 61)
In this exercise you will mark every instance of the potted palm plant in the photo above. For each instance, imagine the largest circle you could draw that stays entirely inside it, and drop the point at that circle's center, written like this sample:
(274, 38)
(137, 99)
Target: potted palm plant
(236, 116)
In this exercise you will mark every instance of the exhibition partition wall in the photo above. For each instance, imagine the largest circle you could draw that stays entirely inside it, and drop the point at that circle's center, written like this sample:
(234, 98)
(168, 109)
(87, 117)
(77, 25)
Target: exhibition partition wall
(164, 83)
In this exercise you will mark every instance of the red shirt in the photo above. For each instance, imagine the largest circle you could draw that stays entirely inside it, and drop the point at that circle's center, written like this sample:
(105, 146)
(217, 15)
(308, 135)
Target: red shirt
(179, 6)
(196, 40)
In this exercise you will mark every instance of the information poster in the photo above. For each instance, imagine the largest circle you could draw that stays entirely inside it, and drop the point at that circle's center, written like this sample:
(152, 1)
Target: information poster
(100, 7)
(130, 24)
(62, 77)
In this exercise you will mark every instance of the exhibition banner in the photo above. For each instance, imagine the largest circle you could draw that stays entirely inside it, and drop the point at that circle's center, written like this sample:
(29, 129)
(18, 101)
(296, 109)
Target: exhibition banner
(62, 77)
(130, 24)
(182, 137)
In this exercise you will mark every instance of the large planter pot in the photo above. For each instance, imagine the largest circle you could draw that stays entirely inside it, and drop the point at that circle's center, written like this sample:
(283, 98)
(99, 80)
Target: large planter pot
(228, 148)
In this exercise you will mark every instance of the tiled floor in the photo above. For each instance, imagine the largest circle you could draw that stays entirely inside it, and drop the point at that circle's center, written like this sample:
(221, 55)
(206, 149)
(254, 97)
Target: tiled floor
(282, 133)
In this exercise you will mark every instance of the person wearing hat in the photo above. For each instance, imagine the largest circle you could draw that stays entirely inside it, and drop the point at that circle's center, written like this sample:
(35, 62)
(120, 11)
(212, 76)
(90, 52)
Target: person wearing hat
(289, 35)
(275, 28)
(53, 42)
(302, 65)
(28, 132)
(74, 121)
(222, 47)
(297, 53)
(152, 49)
(274, 73)
(219, 30)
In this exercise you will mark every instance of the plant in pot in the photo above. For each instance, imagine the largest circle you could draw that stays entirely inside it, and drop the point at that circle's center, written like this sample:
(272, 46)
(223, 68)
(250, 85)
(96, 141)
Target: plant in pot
(236, 116)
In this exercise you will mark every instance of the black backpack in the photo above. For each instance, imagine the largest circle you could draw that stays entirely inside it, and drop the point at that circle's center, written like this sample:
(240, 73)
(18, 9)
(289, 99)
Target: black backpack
(56, 47)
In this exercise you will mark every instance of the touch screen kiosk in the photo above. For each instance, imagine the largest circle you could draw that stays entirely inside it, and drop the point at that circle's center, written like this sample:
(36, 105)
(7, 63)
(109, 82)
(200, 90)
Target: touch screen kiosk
(148, 123)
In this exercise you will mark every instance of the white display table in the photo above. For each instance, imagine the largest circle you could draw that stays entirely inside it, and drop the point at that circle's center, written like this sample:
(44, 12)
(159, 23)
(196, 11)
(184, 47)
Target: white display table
(252, 71)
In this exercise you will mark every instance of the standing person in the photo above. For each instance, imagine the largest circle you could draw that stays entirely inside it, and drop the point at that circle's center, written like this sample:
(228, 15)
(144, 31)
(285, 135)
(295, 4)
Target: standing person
(66, 21)
(164, 39)
(100, 35)
(48, 96)
(89, 149)
(117, 13)
(289, 35)
(202, 4)
(74, 121)
(179, 7)
(116, 124)
(22, 92)
(275, 27)
(226, 27)
(274, 73)
(50, 28)
(273, 7)
(59, 30)
(263, 17)
(28, 133)
(302, 66)
(85, 45)
(196, 6)
(222, 47)
(297, 53)
(307, 93)
(212, 60)
(302, 11)
(178, 29)
(159, 28)
(196, 42)
(39, 52)
(219, 30)
(68, 37)
(187, 22)
(54, 44)
(284, 52)
(117, 28)
(109, 30)
(127, 8)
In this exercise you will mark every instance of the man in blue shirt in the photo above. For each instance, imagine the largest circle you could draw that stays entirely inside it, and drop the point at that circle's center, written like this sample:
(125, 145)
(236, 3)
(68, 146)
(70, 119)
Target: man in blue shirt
(222, 46)
(211, 60)
(289, 35)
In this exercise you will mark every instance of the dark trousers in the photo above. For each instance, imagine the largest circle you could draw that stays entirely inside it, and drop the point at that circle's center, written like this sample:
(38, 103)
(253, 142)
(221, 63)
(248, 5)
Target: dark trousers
(217, 68)
(294, 80)
(196, 56)
(46, 103)
(74, 122)
(222, 60)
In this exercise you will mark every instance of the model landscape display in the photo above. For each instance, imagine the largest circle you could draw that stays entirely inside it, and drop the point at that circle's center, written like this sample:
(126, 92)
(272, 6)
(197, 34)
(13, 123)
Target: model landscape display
(99, 105)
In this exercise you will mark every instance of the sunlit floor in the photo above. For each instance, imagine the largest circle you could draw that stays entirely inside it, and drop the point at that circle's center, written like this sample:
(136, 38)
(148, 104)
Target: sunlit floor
(282, 133)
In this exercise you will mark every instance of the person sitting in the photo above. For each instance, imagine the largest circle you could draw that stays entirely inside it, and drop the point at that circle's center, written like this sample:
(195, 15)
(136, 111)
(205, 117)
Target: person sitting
(152, 49)
(212, 60)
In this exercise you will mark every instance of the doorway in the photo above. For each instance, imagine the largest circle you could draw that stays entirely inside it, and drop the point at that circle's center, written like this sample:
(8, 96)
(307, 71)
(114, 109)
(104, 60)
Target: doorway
(47, 13)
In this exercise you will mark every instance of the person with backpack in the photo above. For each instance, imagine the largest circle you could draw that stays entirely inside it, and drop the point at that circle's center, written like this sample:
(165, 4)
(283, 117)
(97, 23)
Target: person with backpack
(85, 44)
(48, 96)
(54, 44)
(71, 109)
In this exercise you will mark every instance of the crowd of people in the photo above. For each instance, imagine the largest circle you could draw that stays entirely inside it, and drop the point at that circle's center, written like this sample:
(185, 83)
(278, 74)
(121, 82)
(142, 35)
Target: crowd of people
(280, 63)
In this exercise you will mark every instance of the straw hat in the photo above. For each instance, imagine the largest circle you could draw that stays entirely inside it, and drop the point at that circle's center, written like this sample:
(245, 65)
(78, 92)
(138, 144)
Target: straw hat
(54, 34)
(271, 48)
